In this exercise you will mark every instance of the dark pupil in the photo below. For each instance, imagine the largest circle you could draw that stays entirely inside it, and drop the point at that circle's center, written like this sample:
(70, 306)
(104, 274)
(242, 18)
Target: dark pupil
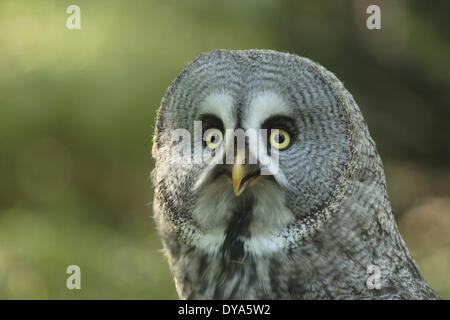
(213, 138)
(280, 138)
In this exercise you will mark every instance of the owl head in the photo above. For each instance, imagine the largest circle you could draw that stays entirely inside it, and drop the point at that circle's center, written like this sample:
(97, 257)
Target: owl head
(254, 146)
(268, 185)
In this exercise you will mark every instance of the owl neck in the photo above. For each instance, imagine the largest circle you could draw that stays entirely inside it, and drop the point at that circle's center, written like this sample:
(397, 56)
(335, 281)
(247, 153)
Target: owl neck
(350, 248)
(316, 270)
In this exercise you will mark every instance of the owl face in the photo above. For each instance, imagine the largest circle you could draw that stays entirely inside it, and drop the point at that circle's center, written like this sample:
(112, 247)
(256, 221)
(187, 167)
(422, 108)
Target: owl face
(282, 194)
(285, 175)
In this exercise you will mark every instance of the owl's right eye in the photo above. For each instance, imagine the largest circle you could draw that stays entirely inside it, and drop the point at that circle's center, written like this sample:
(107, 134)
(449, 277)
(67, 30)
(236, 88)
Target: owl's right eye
(213, 138)
(280, 139)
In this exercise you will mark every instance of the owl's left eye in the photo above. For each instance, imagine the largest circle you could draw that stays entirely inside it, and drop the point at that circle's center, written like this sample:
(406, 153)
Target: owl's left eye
(213, 138)
(280, 139)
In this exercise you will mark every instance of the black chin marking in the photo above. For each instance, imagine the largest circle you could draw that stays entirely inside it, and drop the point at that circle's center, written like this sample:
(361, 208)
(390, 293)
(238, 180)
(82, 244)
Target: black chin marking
(238, 229)
(232, 249)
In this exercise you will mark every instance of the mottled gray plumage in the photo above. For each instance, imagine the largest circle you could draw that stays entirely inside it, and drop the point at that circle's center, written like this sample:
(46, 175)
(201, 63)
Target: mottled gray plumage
(308, 232)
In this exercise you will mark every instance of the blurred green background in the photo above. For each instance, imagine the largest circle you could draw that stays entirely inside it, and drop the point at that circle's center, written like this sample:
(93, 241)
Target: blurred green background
(77, 109)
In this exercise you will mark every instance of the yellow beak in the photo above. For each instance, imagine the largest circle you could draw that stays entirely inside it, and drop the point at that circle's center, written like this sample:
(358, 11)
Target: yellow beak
(239, 171)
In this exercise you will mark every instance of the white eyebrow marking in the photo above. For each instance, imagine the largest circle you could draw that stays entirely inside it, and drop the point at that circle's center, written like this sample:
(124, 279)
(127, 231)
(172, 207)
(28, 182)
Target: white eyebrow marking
(264, 105)
(220, 104)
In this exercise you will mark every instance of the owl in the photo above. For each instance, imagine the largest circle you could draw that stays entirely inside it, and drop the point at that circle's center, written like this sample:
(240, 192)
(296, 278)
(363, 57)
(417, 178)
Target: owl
(300, 211)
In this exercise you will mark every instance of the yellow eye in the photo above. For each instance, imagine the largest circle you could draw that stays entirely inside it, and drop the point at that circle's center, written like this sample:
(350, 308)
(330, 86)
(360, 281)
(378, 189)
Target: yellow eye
(213, 138)
(279, 139)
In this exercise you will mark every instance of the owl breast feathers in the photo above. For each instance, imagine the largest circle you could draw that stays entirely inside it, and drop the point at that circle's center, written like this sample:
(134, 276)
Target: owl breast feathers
(269, 186)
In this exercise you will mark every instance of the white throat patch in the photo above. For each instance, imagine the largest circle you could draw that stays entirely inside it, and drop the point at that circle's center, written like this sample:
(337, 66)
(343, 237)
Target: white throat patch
(217, 203)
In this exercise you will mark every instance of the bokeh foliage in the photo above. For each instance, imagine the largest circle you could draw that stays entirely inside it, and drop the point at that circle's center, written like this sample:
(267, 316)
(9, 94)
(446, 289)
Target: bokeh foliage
(77, 109)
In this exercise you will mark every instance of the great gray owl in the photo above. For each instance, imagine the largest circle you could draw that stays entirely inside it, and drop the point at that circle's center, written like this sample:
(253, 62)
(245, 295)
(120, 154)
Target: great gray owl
(318, 225)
